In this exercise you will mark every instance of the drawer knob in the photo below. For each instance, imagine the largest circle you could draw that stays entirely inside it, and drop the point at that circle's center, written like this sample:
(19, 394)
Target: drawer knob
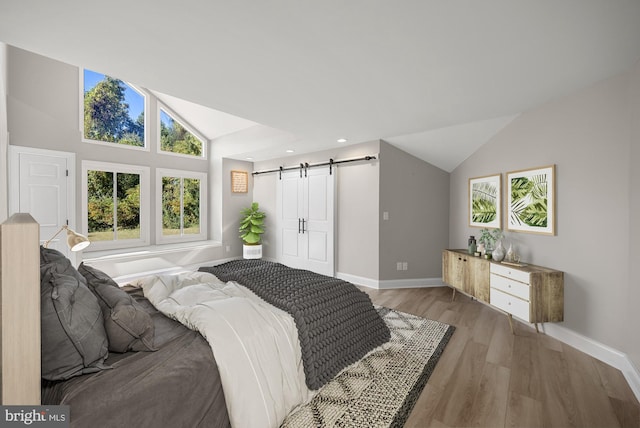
(509, 303)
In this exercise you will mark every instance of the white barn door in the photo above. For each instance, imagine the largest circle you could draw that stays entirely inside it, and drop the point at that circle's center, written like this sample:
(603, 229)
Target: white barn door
(305, 214)
(289, 214)
(42, 185)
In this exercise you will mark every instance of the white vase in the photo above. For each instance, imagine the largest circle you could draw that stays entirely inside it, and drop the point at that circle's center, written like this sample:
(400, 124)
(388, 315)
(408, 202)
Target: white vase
(498, 252)
(252, 251)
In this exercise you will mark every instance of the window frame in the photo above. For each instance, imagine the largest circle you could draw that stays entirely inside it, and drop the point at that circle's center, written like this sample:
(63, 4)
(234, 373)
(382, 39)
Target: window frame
(160, 107)
(147, 107)
(203, 177)
(145, 204)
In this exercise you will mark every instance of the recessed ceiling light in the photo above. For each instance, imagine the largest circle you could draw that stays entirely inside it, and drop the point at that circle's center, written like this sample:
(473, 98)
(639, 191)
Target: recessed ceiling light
(342, 140)
(289, 151)
(249, 158)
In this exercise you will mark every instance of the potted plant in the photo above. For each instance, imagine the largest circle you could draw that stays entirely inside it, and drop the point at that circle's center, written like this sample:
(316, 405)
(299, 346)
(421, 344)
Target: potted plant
(251, 230)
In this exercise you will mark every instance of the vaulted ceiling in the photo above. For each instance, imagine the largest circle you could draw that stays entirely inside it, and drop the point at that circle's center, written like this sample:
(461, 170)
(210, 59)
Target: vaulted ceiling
(435, 78)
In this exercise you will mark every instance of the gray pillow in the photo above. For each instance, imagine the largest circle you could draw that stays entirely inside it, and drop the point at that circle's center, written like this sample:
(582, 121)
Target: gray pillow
(74, 341)
(129, 327)
(55, 261)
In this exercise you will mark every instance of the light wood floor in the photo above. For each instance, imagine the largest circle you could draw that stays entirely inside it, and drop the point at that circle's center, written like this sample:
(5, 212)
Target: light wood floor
(488, 377)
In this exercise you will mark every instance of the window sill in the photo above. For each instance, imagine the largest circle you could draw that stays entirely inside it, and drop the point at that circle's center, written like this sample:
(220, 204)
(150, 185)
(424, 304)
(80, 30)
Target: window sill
(144, 148)
(148, 251)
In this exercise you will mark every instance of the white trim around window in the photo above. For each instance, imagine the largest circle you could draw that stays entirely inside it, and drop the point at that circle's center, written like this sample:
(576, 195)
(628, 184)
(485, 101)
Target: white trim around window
(145, 204)
(147, 108)
(185, 125)
(202, 236)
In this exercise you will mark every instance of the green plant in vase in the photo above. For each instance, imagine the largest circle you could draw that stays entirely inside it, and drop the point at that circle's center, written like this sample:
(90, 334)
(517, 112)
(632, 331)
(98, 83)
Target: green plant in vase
(251, 225)
(489, 237)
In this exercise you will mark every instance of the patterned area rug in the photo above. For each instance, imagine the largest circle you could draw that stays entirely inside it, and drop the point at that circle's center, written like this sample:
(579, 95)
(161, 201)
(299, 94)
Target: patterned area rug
(381, 389)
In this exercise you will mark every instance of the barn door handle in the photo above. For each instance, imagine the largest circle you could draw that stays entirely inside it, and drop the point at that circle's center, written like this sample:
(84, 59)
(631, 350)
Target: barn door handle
(299, 222)
(303, 226)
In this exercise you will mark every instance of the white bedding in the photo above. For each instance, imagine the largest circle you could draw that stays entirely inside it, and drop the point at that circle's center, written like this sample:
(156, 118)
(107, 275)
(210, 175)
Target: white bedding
(255, 344)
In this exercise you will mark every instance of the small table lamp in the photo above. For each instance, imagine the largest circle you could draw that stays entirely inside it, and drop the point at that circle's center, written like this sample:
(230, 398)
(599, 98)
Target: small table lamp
(75, 241)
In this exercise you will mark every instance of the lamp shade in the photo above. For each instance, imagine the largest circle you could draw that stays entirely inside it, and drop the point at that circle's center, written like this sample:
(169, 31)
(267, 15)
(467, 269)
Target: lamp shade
(76, 241)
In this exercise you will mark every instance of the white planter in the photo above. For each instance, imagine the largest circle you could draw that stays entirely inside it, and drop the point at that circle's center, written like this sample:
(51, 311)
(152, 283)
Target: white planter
(252, 251)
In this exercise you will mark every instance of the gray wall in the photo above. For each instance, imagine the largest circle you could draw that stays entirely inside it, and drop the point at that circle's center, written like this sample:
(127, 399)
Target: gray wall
(43, 105)
(632, 318)
(357, 206)
(43, 112)
(413, 192)
(416, 196)
(233, 203)
(587, 136)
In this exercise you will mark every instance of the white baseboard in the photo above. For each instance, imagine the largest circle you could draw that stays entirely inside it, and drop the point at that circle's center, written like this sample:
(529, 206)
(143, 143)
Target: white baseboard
(387, 284)
(632, 374)
(358, 280)
(598, 350)
(591, 347)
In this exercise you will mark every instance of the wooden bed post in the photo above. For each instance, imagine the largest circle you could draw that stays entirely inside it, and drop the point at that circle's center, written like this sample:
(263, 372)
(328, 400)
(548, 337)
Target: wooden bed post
(20, 311)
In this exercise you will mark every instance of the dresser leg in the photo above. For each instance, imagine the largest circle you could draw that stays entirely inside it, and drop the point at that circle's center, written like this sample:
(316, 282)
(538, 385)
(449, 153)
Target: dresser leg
(453, 296)
(511, 323)
(536, 324)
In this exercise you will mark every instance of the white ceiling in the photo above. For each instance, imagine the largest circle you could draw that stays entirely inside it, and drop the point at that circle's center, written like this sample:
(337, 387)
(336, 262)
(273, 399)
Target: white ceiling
(435, 78)
(210, 123)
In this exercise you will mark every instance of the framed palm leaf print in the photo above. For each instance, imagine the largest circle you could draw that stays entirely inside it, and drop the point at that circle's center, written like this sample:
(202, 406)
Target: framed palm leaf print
(485, 201)
(531, 203)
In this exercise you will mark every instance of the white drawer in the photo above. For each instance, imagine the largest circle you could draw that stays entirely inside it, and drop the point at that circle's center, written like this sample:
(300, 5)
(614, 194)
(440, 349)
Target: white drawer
(510, 304)
(510, 286)
(510, 272)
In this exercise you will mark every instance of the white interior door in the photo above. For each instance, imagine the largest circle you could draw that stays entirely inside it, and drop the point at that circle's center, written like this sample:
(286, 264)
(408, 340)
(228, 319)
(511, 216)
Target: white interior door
(290, 248)
(41, 186)
(318, 212)
(306, 220)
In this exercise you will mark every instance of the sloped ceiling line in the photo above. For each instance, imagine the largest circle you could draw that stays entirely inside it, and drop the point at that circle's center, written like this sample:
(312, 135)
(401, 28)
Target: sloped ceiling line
(423, 75)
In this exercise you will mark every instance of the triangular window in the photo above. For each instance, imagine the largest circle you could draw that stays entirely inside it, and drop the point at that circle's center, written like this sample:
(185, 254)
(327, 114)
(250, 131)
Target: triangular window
(177, 138)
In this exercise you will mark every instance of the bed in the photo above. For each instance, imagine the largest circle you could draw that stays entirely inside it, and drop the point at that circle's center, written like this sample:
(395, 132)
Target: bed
(155, 389)
(127, 361)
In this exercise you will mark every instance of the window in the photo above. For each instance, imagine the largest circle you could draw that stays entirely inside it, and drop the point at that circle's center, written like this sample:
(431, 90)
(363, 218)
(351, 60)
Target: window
(181, 205)
(113, 112)
(175, 138)
(116, 207)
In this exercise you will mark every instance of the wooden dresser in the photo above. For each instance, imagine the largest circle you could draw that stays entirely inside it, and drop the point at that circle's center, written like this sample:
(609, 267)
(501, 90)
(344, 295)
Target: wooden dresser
(534, 294)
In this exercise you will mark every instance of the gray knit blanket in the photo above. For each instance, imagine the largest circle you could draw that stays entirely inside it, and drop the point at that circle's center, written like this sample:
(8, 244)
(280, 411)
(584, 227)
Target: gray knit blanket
(337, 323)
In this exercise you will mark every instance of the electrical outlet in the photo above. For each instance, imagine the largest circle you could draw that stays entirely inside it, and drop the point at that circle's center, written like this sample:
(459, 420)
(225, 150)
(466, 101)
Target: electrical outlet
(385, 215)
(405, 265)
(399, 266)
(228, 248)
